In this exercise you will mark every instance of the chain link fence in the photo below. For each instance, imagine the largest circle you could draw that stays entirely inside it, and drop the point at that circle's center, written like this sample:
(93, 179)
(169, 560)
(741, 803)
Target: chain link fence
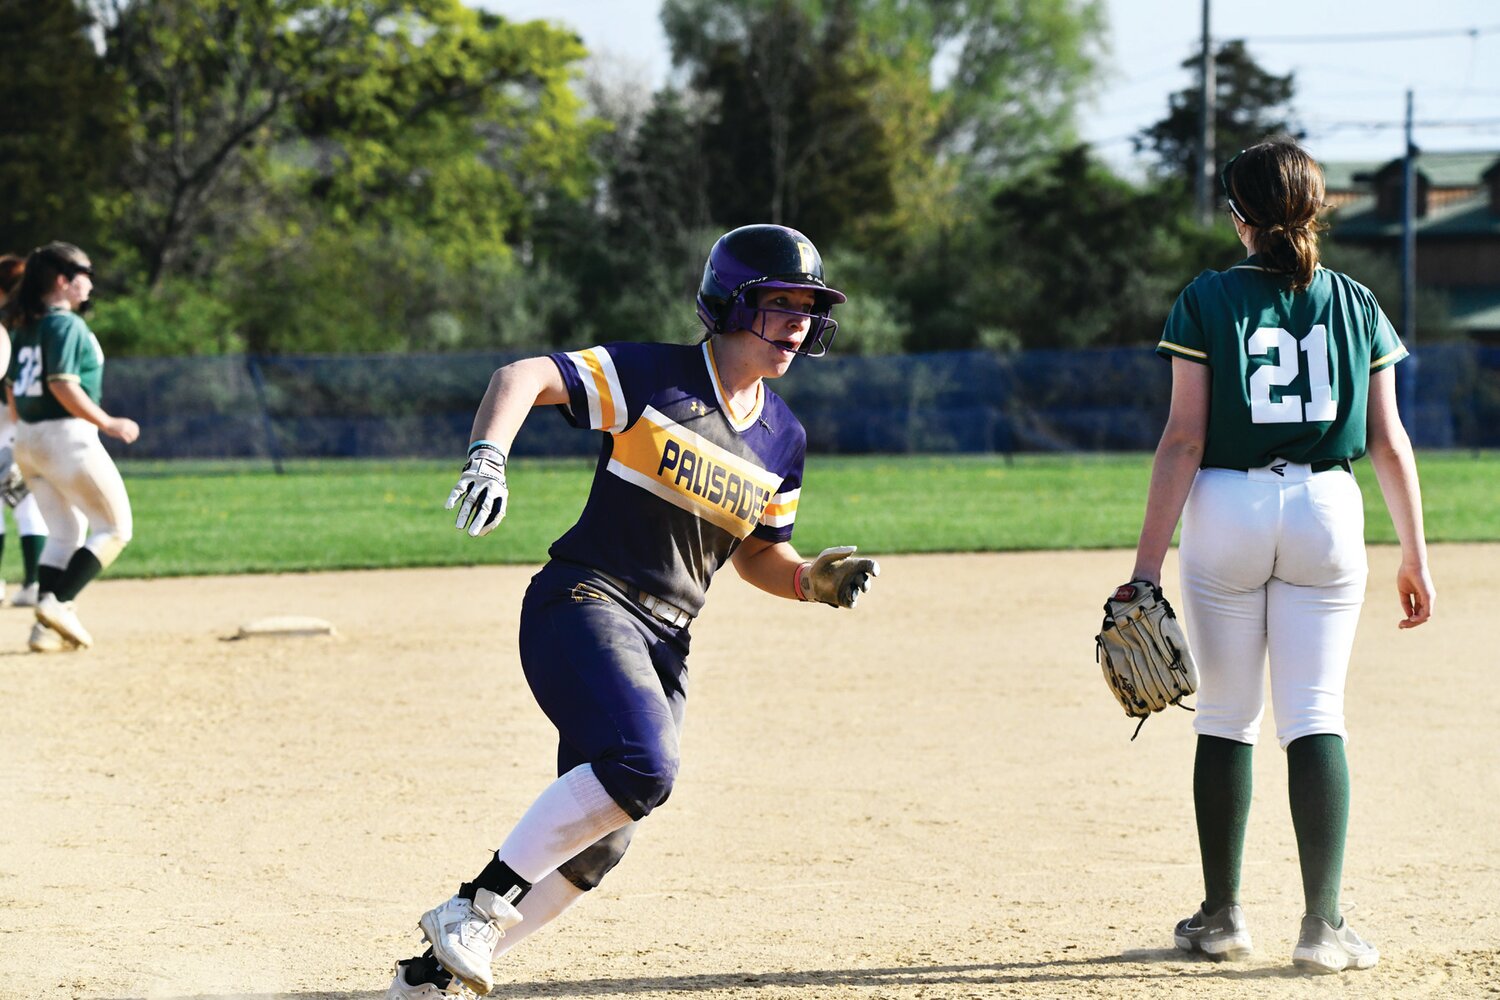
(422, 405)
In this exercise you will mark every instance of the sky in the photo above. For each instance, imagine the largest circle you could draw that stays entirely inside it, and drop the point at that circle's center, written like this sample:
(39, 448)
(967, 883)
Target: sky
(1351, 91)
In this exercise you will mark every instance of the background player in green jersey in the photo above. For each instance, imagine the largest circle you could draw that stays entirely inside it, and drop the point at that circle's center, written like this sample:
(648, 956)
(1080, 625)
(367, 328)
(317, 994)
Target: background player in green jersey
(13, 491)
(1282, 375)
(53, 382)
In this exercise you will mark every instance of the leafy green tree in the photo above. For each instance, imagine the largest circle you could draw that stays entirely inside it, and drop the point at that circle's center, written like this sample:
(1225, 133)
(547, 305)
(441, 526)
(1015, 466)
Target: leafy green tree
(61, 128)
(422, 115)
(1249, 104)
(1066, 256)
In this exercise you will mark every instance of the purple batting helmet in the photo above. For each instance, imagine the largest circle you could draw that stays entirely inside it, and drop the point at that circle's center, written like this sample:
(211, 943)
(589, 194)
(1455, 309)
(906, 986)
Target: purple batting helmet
(751, 258)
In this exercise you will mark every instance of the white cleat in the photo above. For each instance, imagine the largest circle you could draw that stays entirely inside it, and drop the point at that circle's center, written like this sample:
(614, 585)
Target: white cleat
(62, 619)
(44, 640)
(400, 989)
(26, 597)
(1323, 948)
(464, 935)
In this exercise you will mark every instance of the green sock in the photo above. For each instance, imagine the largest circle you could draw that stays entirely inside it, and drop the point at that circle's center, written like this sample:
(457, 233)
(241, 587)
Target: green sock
(1318, 785)
(47, 577)
(31, 555)
(1221, 798)
(82, 568)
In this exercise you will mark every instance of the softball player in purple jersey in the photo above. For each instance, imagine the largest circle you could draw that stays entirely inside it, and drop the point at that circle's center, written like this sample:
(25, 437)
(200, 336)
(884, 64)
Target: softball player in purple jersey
(701, 465)
(1282, 376)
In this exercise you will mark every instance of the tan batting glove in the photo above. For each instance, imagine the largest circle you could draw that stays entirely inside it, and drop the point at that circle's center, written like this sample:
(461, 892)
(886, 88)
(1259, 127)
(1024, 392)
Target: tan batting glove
(836, 579)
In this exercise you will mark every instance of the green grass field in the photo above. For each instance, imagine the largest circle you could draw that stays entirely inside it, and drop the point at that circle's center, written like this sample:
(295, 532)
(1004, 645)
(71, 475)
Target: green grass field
(197, 518)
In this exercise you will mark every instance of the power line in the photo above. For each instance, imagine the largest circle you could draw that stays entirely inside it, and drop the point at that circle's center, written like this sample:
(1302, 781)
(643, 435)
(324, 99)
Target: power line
(1371, 36)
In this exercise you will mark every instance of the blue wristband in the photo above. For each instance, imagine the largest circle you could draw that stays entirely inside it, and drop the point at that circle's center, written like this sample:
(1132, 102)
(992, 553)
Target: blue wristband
(486, 444)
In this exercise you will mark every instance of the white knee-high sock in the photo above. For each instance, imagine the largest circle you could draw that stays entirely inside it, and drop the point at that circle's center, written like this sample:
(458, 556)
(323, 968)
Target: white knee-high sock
(570, 815)
(545, 902)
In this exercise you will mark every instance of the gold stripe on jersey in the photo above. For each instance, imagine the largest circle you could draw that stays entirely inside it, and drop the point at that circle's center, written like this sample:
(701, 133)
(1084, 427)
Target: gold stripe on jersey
(1396, 355)
(781, 509)
(737, 422)
(1186, 352)
(601, 384)
(688, 470)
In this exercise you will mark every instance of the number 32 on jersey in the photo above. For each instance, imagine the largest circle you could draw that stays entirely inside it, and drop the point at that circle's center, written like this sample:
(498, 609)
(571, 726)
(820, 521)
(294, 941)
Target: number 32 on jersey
(1289, 408)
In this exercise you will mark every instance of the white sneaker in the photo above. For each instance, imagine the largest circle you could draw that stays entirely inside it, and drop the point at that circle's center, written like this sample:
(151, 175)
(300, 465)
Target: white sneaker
(1322, 947)
(25, 597)
(464, 935)
(1218, 935)
(44, 640)
(400, 989)
(60, 617)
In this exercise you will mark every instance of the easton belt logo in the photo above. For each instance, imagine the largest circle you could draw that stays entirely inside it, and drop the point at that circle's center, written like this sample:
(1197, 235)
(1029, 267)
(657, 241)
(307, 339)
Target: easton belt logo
(689, 472)
(1280, 470)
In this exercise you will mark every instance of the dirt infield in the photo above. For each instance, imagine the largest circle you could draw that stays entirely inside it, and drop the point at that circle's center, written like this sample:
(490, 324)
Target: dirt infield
(931, 797)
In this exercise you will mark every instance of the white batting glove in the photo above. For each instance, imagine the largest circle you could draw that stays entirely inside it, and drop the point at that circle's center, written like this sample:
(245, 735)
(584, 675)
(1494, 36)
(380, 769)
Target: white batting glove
(836, 579)
(481, 492)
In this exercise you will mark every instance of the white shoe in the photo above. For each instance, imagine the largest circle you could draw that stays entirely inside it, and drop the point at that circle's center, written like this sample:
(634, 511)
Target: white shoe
(25, 597)
(400, 989)
(60, 617)
(464, 935)
(44, 640)
(1323, 948)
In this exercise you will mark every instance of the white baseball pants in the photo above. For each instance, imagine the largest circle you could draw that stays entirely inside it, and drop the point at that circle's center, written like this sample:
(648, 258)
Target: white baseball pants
(1273, 562)
(77, 487)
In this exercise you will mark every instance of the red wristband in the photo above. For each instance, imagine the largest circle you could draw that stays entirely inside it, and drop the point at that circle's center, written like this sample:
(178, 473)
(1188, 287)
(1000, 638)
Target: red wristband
(797, 580)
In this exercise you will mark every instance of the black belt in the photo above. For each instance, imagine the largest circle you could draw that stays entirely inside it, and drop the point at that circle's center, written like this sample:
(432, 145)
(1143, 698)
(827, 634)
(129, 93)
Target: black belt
(1322, 465)
(650, 603)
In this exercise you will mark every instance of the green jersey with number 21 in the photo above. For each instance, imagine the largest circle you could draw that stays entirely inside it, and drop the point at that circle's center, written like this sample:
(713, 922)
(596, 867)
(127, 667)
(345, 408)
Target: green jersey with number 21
(1290, 373)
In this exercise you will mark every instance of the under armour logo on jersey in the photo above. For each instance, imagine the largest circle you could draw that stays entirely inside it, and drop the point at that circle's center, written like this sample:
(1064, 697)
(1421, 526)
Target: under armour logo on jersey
(697, 408)
(1280, 470)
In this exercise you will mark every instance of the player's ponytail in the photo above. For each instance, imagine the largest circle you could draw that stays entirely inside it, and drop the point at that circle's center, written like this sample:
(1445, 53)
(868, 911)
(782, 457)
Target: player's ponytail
(1276, 188)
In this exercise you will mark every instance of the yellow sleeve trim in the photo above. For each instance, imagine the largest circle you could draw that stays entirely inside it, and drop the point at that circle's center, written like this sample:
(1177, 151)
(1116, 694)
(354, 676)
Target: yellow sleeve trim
(1186, 352)
(1389, 359)
(63, 378)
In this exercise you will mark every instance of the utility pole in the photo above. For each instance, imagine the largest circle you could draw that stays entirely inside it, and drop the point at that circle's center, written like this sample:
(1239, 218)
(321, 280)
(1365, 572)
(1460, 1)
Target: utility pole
(1203, 184)
(1407, 371)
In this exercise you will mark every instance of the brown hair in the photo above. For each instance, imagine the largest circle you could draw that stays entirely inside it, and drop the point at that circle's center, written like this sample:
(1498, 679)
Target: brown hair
(1276, 188)
(43, 265)
(11, 269)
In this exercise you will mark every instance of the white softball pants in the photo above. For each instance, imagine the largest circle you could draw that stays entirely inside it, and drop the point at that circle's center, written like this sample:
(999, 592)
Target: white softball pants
(28, 517)
(77, 487)
(1272, 564)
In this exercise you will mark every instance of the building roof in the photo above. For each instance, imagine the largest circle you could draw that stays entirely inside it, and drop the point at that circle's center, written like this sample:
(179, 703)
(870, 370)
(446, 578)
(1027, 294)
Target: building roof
(1474, 309)
(1464, 168)
(1469, 216)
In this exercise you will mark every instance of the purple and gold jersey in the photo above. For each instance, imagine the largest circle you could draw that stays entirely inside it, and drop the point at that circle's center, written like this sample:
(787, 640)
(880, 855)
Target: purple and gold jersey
(681, 479)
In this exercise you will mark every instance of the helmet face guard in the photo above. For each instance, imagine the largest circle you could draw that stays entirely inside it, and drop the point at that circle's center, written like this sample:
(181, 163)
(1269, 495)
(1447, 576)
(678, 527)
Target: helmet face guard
(753, 259)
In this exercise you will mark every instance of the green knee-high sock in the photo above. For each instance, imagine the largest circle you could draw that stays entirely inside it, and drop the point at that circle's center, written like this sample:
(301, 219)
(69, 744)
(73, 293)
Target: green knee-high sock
(47, 577)
(82, 568)
(31, 556)
(1221, 798)
(1318, 785)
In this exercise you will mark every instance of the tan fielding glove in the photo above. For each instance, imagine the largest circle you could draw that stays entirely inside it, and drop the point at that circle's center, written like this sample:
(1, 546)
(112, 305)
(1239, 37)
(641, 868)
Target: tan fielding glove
(1144, 653)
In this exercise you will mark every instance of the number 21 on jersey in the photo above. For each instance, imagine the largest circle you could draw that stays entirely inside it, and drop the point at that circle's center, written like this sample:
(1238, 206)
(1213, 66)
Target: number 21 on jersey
(1289, 408)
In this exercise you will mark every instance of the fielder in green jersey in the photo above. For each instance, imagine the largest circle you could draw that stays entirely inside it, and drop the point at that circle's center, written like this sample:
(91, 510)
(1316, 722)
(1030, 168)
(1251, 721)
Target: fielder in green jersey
(1282, 375)
(1290, 372)
(53, 381)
